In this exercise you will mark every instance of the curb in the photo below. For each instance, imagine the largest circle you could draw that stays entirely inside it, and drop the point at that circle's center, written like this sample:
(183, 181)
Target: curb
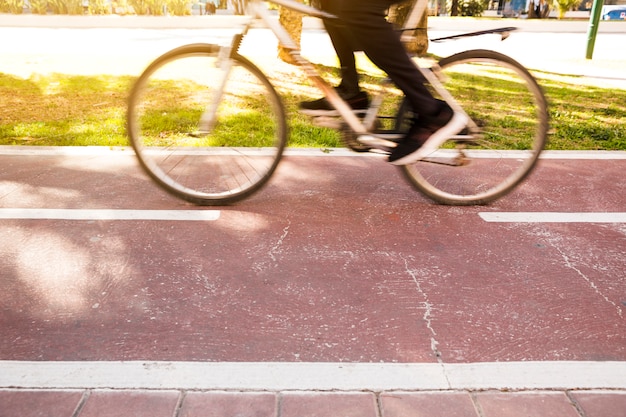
(305, 376)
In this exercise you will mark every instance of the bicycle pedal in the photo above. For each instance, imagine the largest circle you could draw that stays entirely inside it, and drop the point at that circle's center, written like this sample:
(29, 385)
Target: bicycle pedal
(377, 143)
(326, 121)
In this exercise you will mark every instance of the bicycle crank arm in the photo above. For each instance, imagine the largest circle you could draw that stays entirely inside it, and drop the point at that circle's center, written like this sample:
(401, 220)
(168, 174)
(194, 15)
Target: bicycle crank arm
(380, 143)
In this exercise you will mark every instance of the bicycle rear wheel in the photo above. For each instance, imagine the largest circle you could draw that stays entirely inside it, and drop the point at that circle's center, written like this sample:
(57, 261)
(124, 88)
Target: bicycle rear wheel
(207, 128)
(503, 142)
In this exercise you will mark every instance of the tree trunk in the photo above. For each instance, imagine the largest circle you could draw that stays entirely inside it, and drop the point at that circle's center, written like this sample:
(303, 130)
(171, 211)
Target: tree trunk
(239, 6)
(454, 8)
(292, 21)
(398, 13)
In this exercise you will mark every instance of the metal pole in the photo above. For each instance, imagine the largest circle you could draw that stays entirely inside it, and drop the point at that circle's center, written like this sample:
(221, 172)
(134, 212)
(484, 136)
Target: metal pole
(594, 21)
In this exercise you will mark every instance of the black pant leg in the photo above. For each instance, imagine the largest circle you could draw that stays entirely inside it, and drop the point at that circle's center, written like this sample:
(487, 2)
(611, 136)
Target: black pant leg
(340, 38)
(381, 43)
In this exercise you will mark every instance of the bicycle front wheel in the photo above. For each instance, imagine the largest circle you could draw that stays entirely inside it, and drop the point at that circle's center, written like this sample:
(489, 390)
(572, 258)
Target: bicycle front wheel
(502, 143)
(207, 128)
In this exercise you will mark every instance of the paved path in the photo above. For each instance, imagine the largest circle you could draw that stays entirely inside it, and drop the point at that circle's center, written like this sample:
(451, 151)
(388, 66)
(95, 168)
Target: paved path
(336, 288)
(105, 403)
(126, 45)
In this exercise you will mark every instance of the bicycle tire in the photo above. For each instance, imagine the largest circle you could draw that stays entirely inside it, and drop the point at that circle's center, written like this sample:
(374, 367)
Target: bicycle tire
(202, 156)
(486, 161)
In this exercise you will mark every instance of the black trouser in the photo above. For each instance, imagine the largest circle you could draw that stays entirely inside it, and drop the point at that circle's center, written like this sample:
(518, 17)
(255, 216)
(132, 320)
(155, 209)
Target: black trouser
(340, 37)
(365, 19)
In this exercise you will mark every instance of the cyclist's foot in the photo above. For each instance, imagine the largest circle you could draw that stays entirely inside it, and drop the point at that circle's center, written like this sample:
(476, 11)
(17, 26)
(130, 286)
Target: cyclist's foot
(426, 135)
(321, 107)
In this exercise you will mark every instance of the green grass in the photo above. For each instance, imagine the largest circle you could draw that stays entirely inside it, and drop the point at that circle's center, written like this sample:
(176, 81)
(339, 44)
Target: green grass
(585, 117)
(63, 110)
(69, 110)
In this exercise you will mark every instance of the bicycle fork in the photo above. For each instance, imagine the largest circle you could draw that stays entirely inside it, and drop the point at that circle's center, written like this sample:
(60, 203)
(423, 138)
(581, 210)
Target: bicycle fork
(208, 120)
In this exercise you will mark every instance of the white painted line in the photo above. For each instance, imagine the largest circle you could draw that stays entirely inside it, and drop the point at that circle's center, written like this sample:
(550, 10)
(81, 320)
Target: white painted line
(598, 155)
(107, 214)
(65, 150)
(313, 376)
(552, 217)
(128, 151)
(537, 375)
(343, 152)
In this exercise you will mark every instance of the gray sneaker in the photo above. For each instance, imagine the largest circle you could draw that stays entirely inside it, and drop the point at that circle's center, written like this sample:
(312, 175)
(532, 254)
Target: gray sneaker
(426, 135)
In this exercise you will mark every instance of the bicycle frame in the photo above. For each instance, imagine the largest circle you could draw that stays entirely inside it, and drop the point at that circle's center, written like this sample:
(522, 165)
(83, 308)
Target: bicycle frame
(258, 10)
(217, 167)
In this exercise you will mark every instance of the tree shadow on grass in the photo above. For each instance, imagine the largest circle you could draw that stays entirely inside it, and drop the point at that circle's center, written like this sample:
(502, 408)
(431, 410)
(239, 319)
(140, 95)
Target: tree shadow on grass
(72, 110)
(59, 109)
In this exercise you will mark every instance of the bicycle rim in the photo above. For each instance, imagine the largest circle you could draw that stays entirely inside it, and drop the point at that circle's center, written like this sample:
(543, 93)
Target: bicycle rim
(490, 158)
(201, 142)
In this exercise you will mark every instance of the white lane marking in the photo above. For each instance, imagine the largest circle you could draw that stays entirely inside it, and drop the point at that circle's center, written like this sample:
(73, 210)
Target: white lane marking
(64, 150)
(601, 155)
(125, 150)
(107, 214)
(552, 217)
(313, 376)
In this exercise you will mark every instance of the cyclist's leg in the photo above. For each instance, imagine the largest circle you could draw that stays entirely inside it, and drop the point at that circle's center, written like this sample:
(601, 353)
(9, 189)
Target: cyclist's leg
(381, 43)
(348, 89)
(436, 121)
(340, 38)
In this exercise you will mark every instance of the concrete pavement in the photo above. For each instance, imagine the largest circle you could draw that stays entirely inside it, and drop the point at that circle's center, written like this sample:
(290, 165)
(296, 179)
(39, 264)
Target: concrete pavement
(125, 45)
(169, 403)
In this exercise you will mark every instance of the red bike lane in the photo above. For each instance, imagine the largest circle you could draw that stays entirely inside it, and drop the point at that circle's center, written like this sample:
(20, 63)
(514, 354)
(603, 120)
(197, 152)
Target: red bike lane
(338, 259)
(336, 290)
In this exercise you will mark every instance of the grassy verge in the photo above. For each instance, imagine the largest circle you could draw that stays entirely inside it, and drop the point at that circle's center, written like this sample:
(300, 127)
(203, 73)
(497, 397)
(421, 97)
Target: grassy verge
(67, 110)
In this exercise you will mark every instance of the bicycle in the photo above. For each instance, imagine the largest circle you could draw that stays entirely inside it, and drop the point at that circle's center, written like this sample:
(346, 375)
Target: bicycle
(183, 109)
